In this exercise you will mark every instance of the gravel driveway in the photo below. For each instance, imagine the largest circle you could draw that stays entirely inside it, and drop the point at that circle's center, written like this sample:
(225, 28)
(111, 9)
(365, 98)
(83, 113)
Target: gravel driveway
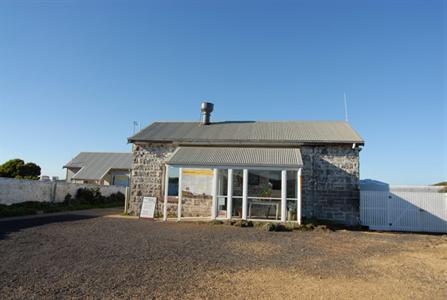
(102, 257)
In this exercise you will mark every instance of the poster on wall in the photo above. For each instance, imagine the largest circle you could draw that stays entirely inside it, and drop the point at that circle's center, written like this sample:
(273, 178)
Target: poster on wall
(148, 207)
(198, 181)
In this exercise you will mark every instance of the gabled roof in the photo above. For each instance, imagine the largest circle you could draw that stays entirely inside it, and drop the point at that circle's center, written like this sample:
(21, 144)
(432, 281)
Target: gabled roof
(267, 157)
(249, 132)
(95, 165)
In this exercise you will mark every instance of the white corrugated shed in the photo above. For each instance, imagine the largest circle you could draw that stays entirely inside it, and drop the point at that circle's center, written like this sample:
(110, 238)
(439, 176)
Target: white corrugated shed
(404, 208)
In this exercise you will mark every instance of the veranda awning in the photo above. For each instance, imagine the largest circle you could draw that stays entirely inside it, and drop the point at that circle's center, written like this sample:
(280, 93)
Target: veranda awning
(237, 157)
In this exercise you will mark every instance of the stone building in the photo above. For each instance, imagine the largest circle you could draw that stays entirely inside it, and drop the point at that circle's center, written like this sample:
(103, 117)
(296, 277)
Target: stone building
(281, 171)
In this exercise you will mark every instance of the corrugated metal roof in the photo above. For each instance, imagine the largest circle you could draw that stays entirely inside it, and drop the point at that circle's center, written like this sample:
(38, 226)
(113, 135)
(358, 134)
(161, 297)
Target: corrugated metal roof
(250, 132)
(237, 157)
(94, 165)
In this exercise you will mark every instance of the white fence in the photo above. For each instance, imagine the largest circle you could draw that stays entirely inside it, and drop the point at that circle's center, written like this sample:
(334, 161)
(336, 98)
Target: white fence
(21, 190)
(404, 208)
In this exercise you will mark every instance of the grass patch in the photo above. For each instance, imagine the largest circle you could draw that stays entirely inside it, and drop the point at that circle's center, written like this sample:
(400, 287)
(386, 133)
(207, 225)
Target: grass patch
(84, 199)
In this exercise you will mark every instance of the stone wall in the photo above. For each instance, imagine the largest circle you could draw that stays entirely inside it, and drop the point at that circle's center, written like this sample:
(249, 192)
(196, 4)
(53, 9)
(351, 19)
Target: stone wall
(147, 177)
(330, 179)
(196, 205)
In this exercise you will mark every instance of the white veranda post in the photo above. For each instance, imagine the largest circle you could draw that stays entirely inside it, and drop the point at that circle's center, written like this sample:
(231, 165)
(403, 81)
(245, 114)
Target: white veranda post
(214, 191)
(230, 193)
(298, 204)
(179, 207)
(244, 193)
(165, 206)
(283, 195)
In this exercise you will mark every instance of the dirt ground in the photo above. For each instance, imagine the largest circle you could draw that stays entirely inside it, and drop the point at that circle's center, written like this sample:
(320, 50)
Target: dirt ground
(103, 257)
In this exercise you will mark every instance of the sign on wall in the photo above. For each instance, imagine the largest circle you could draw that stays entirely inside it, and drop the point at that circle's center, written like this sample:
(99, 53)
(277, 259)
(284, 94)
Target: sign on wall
(198, 181)
(203, 172)
(148, 207)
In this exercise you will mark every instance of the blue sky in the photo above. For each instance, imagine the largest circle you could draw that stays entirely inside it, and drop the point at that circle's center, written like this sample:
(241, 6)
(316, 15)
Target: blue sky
(74, 75)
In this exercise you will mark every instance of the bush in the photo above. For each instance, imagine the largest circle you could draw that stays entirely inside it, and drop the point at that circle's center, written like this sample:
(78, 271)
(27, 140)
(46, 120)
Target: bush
(243, 223)
(16, 168)
(68, 198)
(216, 222)
(269, 226)
(28, 208)
(29, 171)
(282, 227)
(93, 196)
(115, 197)
(84, 199)
(289, 226)
(88, 196)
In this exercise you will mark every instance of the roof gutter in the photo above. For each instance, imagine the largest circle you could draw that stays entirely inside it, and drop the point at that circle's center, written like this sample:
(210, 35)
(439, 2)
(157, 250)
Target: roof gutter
(246, 143)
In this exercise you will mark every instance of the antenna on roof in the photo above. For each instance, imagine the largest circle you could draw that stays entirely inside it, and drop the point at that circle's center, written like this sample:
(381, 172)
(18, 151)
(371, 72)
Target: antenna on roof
(346, 107)
(135, 126)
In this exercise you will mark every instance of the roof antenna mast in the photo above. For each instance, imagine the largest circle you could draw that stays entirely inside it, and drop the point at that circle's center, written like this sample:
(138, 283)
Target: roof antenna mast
(136, 125)
(346, 107)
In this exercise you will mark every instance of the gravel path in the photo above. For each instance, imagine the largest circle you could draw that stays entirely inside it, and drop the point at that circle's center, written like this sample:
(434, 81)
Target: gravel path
(101, 257)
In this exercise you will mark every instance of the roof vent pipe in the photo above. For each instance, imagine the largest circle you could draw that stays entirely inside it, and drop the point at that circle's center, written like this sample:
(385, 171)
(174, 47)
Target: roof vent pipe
(206, 108)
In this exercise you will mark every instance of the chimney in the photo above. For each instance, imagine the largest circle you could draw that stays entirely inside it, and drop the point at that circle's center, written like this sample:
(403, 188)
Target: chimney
(206, 108)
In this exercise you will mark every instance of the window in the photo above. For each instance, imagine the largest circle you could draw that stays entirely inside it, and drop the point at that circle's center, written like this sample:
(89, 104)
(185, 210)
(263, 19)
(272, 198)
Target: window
(292, 184)
(222, 182)
(266, 184)
(237, 194)
(264, 194)
(173, 181)
(120, 180)
(237, 182)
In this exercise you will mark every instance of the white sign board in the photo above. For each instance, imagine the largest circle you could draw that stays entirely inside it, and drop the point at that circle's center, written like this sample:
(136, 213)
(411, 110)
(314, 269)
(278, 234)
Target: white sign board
(148, 207)
(198, 181)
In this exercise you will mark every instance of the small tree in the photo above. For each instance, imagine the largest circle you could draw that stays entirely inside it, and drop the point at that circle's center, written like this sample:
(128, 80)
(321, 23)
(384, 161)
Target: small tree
(16, 168)
(11, 168)
(29, 171)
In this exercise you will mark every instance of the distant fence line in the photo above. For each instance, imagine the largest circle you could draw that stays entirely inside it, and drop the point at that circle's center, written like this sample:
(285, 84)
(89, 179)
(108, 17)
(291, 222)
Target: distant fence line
(22, 190)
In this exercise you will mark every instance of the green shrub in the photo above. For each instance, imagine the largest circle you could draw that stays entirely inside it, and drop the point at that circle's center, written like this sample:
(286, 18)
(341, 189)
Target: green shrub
(216, 222)
(28, 208)
(269, 226)
(16, 168)
(115, 197)
(243, 223)
(281, 227)
(88, 196)
(84, 199)
(93, 196)
(68, 198)
(289, 226)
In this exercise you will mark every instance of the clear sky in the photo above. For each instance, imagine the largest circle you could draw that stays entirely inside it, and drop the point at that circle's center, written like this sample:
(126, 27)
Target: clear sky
(75, 74)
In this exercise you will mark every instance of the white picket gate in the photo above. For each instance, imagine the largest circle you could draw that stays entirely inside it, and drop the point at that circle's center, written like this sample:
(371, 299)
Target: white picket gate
(404, 208)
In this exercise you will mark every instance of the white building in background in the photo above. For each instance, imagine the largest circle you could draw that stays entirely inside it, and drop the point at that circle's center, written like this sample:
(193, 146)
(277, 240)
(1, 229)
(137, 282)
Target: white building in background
(102, 168)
